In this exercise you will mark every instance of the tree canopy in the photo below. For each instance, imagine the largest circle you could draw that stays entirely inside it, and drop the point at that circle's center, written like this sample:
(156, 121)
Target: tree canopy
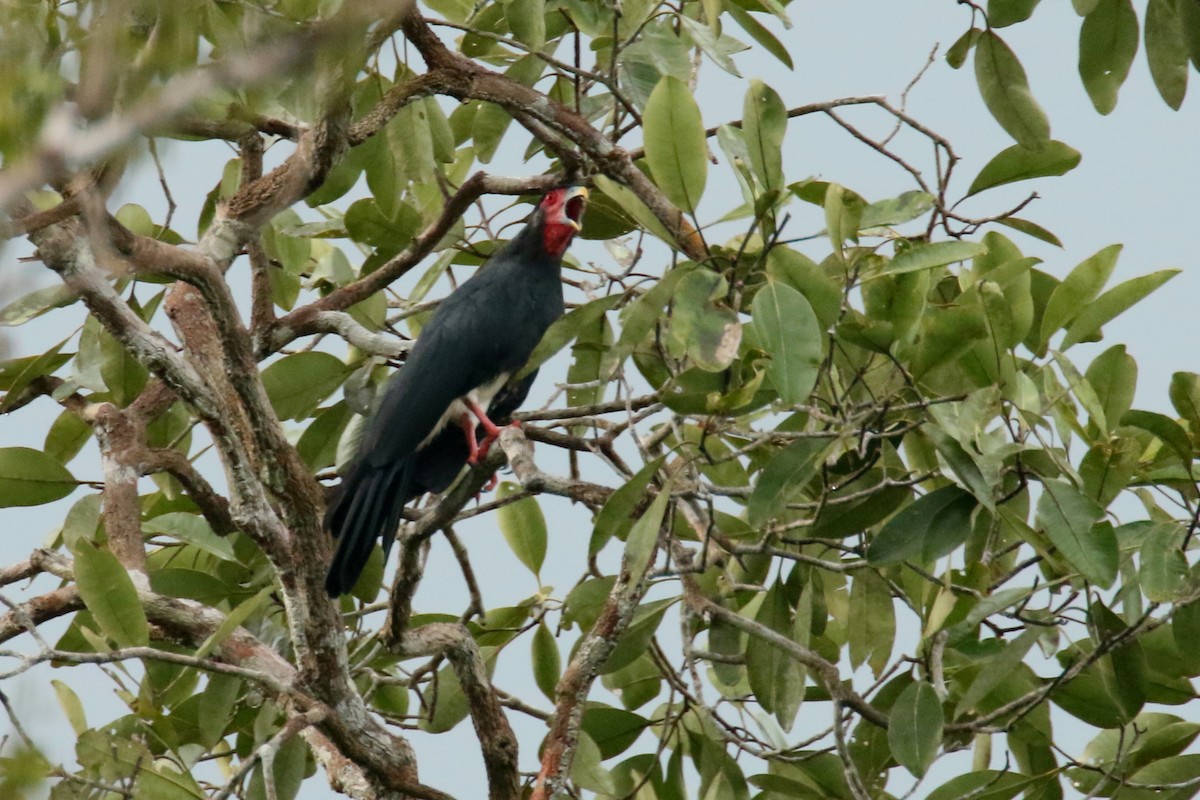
(809, 513)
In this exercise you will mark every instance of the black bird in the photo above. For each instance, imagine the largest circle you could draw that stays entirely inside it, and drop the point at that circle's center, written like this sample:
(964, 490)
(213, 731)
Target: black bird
(426, 426)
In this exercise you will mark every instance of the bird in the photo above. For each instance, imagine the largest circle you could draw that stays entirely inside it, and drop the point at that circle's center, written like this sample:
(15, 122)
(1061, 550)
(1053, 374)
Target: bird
(457, 379)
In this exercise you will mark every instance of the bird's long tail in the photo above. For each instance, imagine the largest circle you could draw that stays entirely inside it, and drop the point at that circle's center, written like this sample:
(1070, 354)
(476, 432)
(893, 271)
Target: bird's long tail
(368, 506)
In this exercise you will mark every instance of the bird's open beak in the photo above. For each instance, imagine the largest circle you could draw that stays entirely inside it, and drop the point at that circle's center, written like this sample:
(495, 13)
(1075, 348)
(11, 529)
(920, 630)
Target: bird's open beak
(572, 207)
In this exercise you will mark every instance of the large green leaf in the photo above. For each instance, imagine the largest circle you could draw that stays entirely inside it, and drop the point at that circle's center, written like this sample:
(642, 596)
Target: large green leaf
(1113, 303)
(676, 149)
(34, 304)
(764, 120)
(109, 593)
(1163, 569)
(29, 477)
(872, 636)
(788, 330)
(928, 529)
(523, 526)
(1002, 13)
(1005, 91)
(1108, 41)
(642, 541)
(632, 205)
(547, 661)
(1018, 163)
(775, 678)
(915, 727)
(194, 530)
(297, 384)
(616, 515)
(1069, 518)
(1166, 51)
(702, 327)
(1077, 290)
(785, 474)
(935, 254)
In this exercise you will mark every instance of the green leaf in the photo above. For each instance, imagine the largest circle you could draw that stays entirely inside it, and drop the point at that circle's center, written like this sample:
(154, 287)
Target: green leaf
(675, 143)
(1005, 91)
(34, 304)
(843, 215)
(633, 206)
(1002, 13)
(29, 477)
(643, 536)
(71, 706)
(547, 661)
(82, 521)
(1108, 41)
(789, 331)
(1078, 290)
(1113, 303)
(612, 729)
(935, 254)
(616, 516)
(527, 21)
(933, 526)
(216, 706)
(1163, 569)
(1069, 518)
(1167, 430)
(873, 635)
(492, 121)
(194, 530)
(234, 620)
(634, 643)
(66, 437)
(1185, 632)
(1189, 17)
(775, 677)
(764, 120)
(566, 328)
(997, 670)
(163, 782)
(297, 384)
(759, 33)
(988, 784)
(587, 769)
(915, 727)
(1019, 163)
(1031, 229)
(109, 593)
(956, 55)
(904, 208)
(1166, 51)
(717, 47)
(1184, 392)
(708, 333)
(785, 474)
(523, 526)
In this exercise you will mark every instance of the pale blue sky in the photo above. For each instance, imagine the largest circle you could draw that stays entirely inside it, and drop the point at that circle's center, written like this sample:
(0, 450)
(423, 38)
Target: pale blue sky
(1135, 185)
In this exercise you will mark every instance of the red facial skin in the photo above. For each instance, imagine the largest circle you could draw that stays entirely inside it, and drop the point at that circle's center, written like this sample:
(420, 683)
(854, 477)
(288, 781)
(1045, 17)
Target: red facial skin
(559, 227)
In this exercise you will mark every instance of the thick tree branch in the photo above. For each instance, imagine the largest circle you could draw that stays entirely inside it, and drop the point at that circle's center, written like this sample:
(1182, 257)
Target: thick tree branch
(496, 738)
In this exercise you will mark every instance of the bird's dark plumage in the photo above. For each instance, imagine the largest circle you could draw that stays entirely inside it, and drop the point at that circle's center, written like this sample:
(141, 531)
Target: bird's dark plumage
(479, 337)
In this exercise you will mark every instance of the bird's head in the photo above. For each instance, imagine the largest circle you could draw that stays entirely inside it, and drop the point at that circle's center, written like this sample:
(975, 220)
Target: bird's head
(561, 211)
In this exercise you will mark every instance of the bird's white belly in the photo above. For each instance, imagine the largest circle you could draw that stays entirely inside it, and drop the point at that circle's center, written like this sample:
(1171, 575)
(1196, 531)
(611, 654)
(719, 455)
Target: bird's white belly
(481, 395)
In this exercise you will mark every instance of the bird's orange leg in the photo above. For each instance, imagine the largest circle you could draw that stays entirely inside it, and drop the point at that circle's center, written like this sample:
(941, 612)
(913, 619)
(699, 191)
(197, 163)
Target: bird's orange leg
(479, 450)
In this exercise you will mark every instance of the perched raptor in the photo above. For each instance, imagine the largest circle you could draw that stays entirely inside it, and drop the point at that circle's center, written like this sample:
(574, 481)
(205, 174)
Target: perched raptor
(425, 428)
